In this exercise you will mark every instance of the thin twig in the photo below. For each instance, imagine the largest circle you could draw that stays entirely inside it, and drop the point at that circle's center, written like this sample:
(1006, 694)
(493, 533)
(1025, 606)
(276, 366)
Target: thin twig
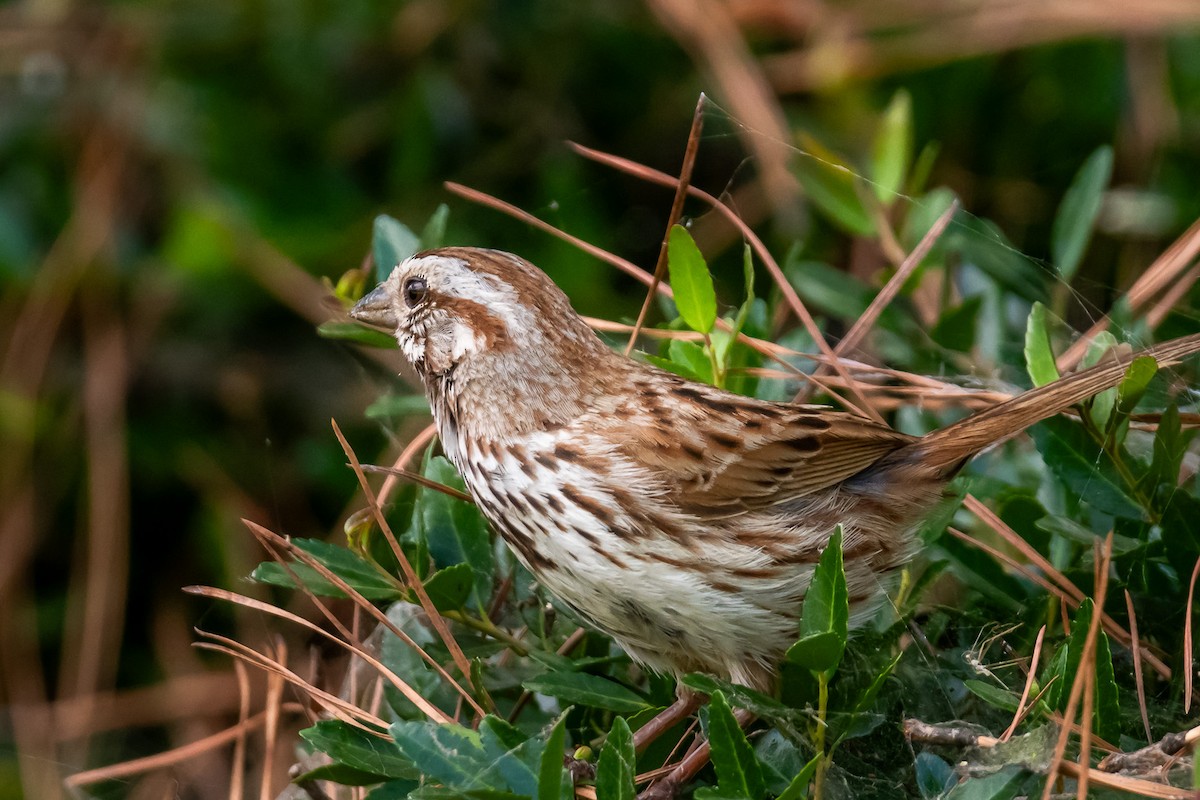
(414, 582)
(1136, 647)
(685, 179)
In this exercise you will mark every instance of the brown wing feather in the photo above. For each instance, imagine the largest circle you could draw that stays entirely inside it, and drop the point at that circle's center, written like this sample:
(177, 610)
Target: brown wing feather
(726, 454)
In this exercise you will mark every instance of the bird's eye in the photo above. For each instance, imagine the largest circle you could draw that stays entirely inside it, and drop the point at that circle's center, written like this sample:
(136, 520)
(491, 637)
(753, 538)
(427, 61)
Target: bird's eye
(415, 290)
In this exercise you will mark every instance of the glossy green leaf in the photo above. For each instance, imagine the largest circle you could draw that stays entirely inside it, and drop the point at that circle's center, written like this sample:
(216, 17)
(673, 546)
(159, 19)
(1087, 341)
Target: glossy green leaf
(392, 243)
(891, 150)
(357, 334)
(831, 186)
(825, 620)
(1077, 214)
(583, 689)
(615, 769)
(554, 782)
(448, 753)
(1080, 463)
(738, 771)
(455, 530)
(1003, 785)
(955, 330)
(434, 233)
(692, 358)
(695, 297)
(1107, 711)
(798, 788)
(992, 695)
(934, 776)
(1133, 386)
(359, 573)
(449, 587)
(355, 748)
(1039, 358)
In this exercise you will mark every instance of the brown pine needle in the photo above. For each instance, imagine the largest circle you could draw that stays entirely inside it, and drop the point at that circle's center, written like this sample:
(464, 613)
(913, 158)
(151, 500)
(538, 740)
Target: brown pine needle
(176, 755)
(1086, 666)
(681, 188)
(1187, 641)
(1136, 647)
(427, 708)
(414, 582)
(418, 478)
(1029, 679)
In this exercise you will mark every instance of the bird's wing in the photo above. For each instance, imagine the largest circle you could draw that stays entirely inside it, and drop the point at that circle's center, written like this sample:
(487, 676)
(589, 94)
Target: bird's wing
(721, 455)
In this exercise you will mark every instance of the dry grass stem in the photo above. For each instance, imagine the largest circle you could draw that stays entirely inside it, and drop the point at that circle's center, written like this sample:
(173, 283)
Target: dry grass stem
(410, 575)
(1136, 648)
(1030, 676)
(1087, 666)
(417, 699)
(137, 766)
(1187, 640)
(685, 179)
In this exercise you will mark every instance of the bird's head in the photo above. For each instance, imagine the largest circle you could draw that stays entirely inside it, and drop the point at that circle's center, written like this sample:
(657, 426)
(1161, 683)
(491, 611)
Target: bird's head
(463, 305)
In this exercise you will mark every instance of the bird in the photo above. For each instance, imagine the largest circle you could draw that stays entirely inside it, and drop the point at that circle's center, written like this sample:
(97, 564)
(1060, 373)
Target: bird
(682, 520)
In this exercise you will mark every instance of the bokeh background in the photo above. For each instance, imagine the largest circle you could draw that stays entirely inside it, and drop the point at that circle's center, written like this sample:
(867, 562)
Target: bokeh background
(176, 177)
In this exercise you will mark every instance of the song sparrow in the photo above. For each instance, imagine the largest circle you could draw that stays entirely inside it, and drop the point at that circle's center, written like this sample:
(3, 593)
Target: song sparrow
(682, 520)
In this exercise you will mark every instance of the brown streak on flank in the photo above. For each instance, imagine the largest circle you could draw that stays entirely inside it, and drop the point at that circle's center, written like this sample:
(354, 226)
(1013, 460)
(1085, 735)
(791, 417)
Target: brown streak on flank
(553, 501)
(753, 424)
(546, 461)
(692, 450)
(810, 419)
(593, 507)
(804, 444)
(567, 453)
(725, 440)
(724, 586)
(754, 572)
(704, 398)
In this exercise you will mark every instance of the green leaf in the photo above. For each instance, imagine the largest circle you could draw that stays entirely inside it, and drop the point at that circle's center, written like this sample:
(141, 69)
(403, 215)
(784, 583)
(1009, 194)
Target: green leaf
(830, 185)
(554, 782)
(450, 754)
(450, 587)
(343, 775)
(1170, 445)
(369, 581)
(738, 771)
(819, 652)
(892, 148)
(992, 695)
(825, 621)
(1039, 358)
(1002, 785)
(955, 330)
(392, 243)
(1077, 215)
(615, 770)
(434, 233)
(359, 750)
(455, 529)
(1107, 710)
(983, 244)
(798, 788)
(583, 689)
(515, 758)
(693, 286)
(1133, 385)
(1080, 464)
(692, 358)
(934, 776)
(356, 333)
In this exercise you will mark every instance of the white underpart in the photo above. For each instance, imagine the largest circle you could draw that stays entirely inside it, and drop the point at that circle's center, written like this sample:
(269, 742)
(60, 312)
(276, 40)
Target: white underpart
(639, 599)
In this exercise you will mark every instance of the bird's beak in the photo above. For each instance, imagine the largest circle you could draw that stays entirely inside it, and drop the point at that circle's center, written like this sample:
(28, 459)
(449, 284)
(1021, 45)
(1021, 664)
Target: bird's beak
(376, 309)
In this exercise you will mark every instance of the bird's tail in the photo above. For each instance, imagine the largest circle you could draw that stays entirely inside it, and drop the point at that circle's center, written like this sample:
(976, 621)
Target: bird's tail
(949, 447)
